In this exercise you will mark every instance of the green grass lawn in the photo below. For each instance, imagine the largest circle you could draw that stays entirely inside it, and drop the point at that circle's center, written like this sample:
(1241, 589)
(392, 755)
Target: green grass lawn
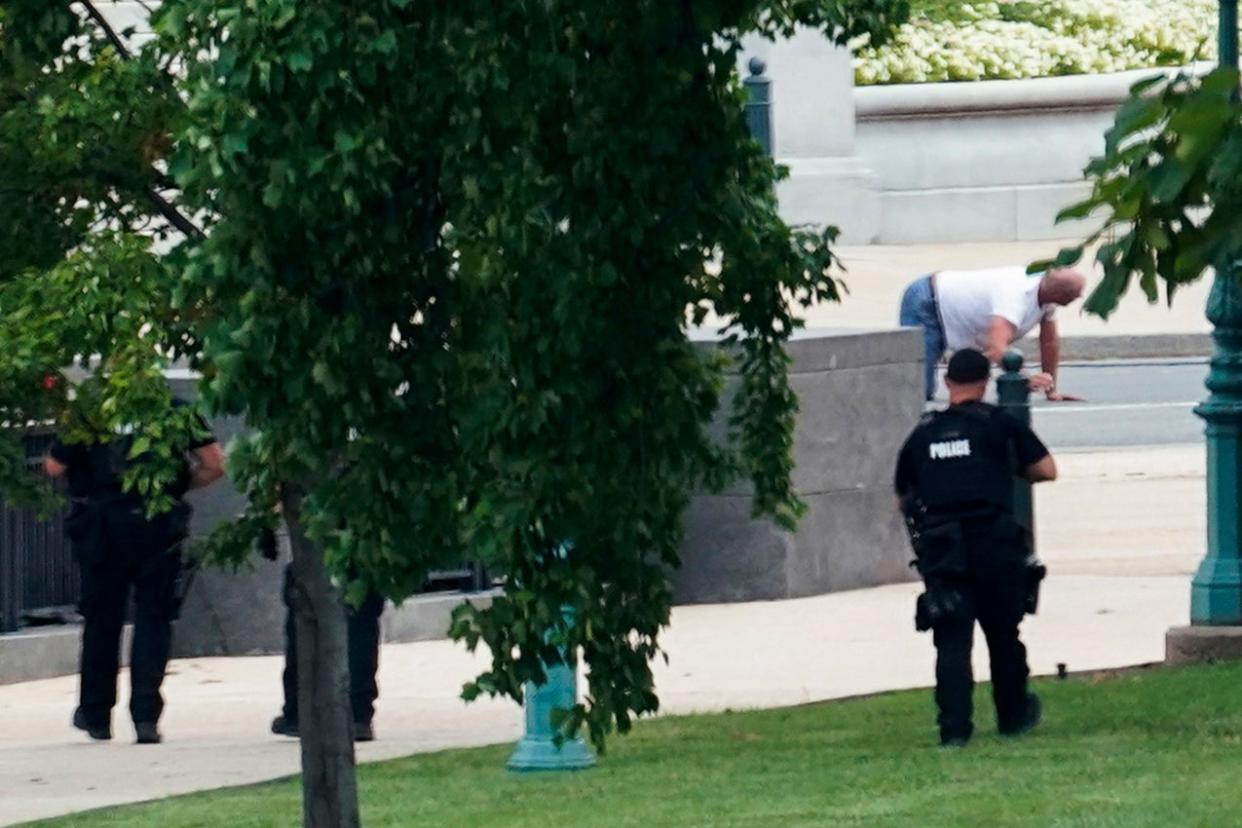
(1151, 748)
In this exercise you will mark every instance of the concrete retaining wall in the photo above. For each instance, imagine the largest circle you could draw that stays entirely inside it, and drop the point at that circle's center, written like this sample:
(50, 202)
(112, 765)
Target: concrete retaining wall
(860, 394)
(984, 160)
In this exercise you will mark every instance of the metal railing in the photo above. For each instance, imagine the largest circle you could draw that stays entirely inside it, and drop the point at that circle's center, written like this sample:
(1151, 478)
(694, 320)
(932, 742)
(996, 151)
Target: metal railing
(38, 578)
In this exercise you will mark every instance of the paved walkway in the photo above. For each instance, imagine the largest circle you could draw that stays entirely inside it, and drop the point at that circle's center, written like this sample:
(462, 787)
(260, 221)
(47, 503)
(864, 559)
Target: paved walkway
(1121, 532)
(877, 274)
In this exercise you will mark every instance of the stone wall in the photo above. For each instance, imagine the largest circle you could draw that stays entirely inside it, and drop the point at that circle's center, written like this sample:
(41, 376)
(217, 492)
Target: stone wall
(984, 160)
(860, 394)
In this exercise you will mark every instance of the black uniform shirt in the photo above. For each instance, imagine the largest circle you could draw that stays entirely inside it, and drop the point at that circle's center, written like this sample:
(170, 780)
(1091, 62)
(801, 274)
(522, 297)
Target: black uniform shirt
(93, 471)
(964, 458)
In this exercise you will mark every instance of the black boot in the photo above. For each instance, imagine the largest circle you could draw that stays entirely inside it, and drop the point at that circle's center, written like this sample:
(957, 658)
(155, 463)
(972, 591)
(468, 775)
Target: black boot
(283, 726)
(148, 733)
(99, 731)
(1031, 718)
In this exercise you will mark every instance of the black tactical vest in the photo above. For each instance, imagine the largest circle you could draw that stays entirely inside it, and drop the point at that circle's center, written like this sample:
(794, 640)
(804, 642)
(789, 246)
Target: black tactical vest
(962, 461)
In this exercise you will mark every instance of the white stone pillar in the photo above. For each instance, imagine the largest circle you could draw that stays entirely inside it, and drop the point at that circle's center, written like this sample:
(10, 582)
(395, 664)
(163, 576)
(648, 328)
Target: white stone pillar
(813, 126)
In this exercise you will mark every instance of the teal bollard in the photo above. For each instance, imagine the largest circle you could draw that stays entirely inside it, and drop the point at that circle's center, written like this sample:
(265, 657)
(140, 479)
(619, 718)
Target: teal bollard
(537, 750)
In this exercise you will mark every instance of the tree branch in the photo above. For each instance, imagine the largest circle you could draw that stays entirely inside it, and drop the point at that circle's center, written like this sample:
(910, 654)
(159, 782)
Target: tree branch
(109, 32)
(162, 205)
(175, 217)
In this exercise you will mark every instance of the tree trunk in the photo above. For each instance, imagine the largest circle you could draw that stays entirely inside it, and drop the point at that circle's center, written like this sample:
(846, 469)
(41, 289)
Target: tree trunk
(329, 782)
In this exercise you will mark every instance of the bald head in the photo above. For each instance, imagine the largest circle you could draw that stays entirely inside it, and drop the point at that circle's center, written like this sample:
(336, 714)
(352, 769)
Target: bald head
(1061, 286)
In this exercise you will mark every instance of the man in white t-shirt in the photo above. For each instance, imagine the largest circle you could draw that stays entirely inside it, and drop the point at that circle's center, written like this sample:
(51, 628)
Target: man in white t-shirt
(989, 310)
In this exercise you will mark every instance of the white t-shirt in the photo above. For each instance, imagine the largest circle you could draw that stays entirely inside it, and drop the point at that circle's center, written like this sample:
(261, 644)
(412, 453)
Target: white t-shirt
(970, 298)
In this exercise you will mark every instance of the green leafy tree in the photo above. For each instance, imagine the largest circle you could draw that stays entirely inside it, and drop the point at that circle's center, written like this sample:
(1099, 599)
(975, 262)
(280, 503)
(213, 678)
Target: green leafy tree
(1169, 188)
(451, 254)
(84, 208)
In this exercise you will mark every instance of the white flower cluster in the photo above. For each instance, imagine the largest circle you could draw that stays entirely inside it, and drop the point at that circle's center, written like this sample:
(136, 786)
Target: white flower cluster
(994, 40)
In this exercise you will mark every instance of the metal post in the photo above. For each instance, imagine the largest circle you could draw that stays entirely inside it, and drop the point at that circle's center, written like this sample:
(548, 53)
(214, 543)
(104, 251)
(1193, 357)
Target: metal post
(1216, 591)
(11, 579)
(759, 104)
(1013, 393)
(538, 750)
(1228, 34)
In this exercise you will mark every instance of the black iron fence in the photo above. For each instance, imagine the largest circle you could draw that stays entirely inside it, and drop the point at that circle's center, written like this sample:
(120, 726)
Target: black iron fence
(38, 578)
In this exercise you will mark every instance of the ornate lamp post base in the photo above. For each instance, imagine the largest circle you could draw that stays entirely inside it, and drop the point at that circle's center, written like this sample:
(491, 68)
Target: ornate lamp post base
(1216, 592)
(538, 751)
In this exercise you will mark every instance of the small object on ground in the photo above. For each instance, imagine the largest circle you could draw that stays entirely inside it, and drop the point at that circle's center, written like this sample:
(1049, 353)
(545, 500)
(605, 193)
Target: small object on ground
(364, 732)
(98, 732)
(285, 727)
(1062, 673)
(148, 733)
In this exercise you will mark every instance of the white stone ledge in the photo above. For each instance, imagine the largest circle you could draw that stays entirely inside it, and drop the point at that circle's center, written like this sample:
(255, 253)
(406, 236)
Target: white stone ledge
(921, 100)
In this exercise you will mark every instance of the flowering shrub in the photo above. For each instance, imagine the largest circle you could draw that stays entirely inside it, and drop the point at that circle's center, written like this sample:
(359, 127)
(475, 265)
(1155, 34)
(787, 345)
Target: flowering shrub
(994, 40)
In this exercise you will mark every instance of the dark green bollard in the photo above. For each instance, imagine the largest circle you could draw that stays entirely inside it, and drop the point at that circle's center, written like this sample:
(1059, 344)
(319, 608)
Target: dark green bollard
(1013, 394)
(759, 104)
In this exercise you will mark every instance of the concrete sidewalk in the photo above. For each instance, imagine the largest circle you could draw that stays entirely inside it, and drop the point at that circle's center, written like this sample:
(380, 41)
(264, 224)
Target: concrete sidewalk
(1121, 532)
(877, 275)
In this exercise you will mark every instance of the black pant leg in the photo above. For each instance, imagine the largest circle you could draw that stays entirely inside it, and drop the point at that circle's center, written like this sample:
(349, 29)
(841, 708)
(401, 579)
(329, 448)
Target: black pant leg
(364, 641)
(1000, 612)
(155, 583)
(104, 590)
(289, 677)
(955, 681)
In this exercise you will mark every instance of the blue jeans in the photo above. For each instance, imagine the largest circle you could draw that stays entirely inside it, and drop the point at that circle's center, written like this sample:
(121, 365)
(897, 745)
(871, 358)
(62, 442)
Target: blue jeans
(918, 310)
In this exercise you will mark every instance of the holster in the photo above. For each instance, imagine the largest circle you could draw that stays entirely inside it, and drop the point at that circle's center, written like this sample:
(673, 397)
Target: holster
(939, 602)
(84, 528)
(1035, 572)
(181, 588)
(940, 557)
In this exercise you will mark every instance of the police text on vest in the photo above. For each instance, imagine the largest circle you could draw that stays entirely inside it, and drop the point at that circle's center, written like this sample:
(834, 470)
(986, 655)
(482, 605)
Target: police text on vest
(949, 449)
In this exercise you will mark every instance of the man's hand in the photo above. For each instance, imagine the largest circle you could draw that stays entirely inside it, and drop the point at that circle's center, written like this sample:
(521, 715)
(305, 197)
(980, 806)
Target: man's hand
(53, 467)
(208, 467)
(1045, 383)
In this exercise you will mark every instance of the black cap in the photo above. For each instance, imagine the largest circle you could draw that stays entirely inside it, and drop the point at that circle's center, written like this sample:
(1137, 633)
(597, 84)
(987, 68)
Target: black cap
(968, 366)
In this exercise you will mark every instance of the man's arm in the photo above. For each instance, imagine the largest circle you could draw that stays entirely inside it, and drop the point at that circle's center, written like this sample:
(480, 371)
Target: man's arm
(1000, 335)
(1050, 362)
(1042, 471)
(209, 466)
(1049, 349)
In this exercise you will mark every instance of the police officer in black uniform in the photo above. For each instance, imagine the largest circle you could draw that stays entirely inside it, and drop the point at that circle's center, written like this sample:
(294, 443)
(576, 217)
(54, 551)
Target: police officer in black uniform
(118, 548)
(363, 631)
(954, 480)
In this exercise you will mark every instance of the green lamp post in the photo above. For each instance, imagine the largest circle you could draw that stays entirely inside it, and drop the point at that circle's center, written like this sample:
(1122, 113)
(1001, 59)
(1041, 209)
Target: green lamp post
(544, 746)
(1216, 592)
(1215, 630)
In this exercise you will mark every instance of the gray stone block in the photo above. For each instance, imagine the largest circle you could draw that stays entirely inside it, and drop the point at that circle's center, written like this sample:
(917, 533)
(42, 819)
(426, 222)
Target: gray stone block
(948, 215)
(845, 541)
(233, 613)
(47, 652)
(727, 556)
(851, 425)
(859, 395)
(1201, 645)
(817, 350)
(1038, 207)
(427, 617)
